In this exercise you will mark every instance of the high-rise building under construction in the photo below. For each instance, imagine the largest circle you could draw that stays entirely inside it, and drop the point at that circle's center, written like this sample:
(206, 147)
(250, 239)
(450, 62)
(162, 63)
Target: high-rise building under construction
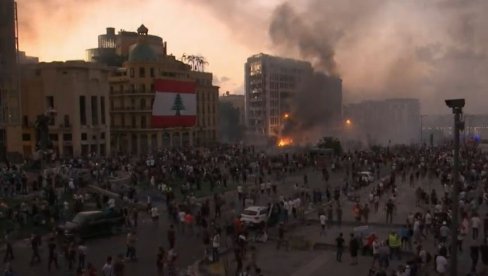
(10, 123)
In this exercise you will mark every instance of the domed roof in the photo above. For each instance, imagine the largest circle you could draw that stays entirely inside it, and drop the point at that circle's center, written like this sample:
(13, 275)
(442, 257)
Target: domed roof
(142, 30)
(142, 52)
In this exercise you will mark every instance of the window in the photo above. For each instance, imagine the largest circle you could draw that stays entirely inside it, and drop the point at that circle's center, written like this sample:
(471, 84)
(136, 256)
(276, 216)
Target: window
(53, 137)
(142, 72)
(143, 104)
(143, 121)
(102, 135)
(131, 72)
(143, 88)
(67, 137)
(133, 121)
(83, 137)
(26, 137)
(82, 111)
(66, 121)
(84, 150)
(151, 72)
(102, 109)
(122, 121)
(49, 102)
(94, 110)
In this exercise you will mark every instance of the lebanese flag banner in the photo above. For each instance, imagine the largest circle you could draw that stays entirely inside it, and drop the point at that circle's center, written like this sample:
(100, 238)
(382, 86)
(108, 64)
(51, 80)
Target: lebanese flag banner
(175, 104)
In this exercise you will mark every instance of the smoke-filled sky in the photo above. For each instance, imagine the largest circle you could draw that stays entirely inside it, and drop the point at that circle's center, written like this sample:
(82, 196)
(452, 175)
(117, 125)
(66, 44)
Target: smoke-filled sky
(430, 49)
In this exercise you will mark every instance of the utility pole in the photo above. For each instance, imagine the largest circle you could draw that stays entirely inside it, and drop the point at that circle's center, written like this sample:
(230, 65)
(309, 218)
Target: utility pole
(457, 108)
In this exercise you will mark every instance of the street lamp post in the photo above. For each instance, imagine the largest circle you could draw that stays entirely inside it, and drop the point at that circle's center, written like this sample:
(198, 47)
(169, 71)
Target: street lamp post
(457, 108)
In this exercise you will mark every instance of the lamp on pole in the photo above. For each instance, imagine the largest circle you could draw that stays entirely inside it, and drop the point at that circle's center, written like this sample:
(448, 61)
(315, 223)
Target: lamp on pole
(457, 108)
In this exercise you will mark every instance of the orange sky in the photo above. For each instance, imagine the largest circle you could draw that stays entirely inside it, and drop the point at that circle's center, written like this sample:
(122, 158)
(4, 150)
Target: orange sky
(62, 30)
(429, 50)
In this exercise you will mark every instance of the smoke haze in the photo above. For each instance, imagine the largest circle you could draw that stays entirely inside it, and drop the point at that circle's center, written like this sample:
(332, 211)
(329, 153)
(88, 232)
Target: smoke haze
(431, 50)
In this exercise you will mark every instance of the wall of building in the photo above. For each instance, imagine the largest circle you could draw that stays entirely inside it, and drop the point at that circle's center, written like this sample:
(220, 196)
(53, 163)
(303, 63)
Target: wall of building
(270, 84)
(9, 86)
(132, 95)
(79, 94)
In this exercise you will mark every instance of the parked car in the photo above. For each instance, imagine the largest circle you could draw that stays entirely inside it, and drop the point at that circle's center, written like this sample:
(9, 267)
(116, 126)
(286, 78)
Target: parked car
(255, 215)
(92, 223)
(367, 177)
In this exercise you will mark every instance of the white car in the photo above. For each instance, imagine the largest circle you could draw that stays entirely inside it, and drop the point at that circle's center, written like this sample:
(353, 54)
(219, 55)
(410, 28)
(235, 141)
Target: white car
(367, 176)
(255, 214)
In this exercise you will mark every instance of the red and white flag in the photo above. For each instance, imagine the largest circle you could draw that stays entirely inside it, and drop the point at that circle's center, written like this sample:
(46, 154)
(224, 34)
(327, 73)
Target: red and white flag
(175, 104)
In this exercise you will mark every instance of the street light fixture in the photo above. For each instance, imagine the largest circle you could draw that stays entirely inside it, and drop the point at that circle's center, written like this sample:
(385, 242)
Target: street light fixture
(348, 122)
(457, 108)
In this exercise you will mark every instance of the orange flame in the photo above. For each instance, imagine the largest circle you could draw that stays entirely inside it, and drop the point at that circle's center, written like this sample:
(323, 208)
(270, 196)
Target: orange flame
(284, 141)
(286, 116)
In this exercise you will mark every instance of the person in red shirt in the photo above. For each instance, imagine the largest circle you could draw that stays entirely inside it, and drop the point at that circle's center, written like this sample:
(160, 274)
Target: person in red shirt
(189, 222)
(237, 226)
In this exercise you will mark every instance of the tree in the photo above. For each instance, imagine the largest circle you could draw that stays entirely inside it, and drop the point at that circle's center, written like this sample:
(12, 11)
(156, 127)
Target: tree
(178, 105)
(330, 143)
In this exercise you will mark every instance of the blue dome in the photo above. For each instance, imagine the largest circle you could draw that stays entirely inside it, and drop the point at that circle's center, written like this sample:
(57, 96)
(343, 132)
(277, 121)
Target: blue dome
(142, 52)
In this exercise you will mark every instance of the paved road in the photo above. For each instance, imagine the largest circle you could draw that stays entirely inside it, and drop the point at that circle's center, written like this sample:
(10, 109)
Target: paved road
(150, 236)
(318, 262)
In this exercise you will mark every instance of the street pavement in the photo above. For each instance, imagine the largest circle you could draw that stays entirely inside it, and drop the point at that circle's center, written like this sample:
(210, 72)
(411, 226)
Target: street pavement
(293, 262)
(322, 260)
(149, 236)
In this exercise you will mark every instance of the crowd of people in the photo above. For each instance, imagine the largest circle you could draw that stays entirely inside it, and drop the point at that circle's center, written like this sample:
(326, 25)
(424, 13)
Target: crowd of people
(254, 177)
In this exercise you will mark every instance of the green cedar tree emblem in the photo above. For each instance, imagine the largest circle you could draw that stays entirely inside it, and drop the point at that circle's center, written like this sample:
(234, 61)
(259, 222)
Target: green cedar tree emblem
(178, 105)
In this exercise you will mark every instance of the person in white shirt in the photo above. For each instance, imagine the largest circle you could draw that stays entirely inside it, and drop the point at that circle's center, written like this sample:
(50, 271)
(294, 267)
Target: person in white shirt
(475, 225)
(323, 220)
(154, 213)
(215, 247)
(239, 192)
(107, 269)
(441, 265)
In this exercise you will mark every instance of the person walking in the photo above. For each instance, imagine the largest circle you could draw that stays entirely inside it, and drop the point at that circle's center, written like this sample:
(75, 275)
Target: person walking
(107, 269)
(281, 235)
(484, 257)
(9, 252)
(171, 236)
(474, 254)
(330, 212)
(35, 244)
(216, 246)
(365, 213)
(475, 226)
(390, 206)
(131, 246)
(160, 260)
(322, 219)
(82, 249)
(353, 249)
(340, 247)
(53, 255)
(339, 214)
(394, 242)
(71, 255)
